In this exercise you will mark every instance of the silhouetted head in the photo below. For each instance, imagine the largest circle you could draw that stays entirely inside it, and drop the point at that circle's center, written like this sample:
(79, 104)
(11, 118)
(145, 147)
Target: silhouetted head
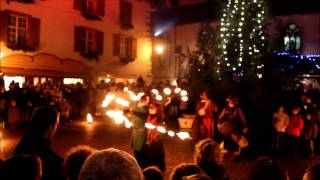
(45, 121)
(312, 173)
(185, 169)
(74, 160)
(265, 169)
(110, 164)
(22, 166)
(152, 173)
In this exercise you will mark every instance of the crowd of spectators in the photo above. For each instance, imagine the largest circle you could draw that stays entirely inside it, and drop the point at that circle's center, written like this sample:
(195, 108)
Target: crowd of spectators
(44, 107)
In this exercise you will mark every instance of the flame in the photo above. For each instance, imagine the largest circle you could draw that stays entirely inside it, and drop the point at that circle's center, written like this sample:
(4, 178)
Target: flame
(161, 129)
(184, 98)
(149, 126)
(167, 91)
(183, 135)
(108, 100)
(177, 90)
(159, 98)
(184, 93)
(122, 102)
(89, 118)
(170, 133)
(127, 123)
(155, 91)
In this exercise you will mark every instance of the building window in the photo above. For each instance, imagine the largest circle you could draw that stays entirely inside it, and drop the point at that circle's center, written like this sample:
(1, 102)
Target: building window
(126, 15)
(19, 31)
(292, 39)
(88, 7)
(91, 9)
(89, 42)
(125, 47)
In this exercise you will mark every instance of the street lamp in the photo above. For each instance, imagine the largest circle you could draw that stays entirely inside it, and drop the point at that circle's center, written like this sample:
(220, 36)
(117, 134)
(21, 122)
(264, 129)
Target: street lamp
(159, 49)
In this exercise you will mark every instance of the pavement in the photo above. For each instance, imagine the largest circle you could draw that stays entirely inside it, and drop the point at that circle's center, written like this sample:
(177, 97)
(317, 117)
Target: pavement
(104, 133)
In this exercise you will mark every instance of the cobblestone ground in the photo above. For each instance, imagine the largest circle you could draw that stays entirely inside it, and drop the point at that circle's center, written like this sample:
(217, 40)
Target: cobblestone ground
(105, 134)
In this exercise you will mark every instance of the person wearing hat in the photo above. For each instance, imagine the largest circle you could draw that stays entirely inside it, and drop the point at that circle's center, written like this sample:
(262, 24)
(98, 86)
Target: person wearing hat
(232, 125)
(205, 111)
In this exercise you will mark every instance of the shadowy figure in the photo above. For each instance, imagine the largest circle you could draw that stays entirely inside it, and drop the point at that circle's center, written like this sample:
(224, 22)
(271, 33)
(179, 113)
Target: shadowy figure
(37, 141)
(110, 164)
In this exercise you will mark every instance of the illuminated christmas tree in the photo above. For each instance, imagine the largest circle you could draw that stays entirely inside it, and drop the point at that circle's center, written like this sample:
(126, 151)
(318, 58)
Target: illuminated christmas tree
(202, 61)
(242, 39)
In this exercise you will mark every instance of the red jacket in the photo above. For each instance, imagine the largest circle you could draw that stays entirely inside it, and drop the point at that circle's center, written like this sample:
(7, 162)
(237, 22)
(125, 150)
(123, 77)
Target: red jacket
(295, 125)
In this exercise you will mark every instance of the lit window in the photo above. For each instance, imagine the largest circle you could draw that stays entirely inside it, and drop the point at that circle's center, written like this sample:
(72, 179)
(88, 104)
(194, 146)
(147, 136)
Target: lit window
(13, 79)
(292, 40)
(17, 30)
(72, 80)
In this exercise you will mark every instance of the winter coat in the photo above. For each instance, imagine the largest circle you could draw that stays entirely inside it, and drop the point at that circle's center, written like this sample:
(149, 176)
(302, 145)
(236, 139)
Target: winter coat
(35, 144)
(295, 126)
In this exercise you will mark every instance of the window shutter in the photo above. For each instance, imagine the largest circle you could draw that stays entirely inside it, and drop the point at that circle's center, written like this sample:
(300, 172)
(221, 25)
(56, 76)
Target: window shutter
(129, 13)
(101, 7)
(77, 4)
(134, 48)
(122, 11)
(34, 32)
(116, 44)
(99, 41)
(77, 38)
(3, 26)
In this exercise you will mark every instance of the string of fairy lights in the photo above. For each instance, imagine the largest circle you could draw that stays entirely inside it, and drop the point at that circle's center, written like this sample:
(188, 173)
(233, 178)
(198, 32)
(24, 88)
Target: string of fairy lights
(115, 103)
(242, 36)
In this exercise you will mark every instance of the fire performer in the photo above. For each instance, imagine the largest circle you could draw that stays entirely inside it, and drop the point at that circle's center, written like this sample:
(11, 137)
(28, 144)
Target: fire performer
(232, 124)
(154, 149)
(138, 115)
(205, 109)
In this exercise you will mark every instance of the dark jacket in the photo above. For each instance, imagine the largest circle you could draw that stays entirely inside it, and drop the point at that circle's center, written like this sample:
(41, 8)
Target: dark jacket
(35, 144)
(214, 171)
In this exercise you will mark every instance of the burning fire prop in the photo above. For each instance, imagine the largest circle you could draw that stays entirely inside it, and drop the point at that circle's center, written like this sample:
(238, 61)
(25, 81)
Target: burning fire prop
(115, 104)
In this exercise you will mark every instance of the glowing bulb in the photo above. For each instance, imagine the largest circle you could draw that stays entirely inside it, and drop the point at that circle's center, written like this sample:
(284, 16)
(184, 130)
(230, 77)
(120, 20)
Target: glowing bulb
(159, 49)
(125, 89)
